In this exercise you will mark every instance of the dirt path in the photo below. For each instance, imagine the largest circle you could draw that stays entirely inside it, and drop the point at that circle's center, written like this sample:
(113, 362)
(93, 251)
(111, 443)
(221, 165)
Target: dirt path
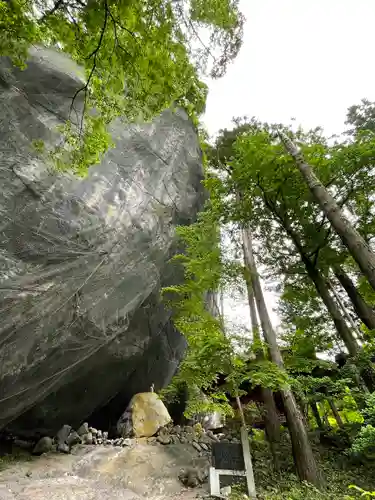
(103, 473)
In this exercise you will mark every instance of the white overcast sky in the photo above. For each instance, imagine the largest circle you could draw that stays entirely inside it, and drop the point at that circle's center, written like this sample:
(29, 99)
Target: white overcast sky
(306, 59)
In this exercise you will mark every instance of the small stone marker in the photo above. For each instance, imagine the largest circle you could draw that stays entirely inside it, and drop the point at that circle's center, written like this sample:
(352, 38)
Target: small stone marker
(232, 459)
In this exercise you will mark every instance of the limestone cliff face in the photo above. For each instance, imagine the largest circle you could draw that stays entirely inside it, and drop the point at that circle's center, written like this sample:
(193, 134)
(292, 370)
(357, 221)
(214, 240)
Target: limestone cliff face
(82, 260)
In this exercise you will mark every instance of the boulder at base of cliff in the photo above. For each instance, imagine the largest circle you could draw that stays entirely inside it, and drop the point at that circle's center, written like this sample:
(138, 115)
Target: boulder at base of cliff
(144, 416)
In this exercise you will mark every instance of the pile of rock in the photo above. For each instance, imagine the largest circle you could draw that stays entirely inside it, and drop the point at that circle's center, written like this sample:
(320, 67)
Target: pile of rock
(193, 476)
(195, 435)
(145, 417)
(67, 437)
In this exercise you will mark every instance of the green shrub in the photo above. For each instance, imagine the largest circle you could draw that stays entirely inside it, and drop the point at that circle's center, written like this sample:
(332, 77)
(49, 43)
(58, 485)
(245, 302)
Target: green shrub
(368, 412)
(364, 494)
(364, 443)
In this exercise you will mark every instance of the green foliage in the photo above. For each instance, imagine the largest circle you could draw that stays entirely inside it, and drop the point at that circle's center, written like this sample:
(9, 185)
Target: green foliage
(139, 57)
(38, 146)
(364, 443)
(348, 408)
(253, 413)
(253, 181)
(363, 359)
(361, 117)
(17, 30)
(81, 149)
(286, 222)
(297, 491)
(209, 351)
(368, 412)
(262, 373)
(364, 494)
(226, 32)
(337, 468)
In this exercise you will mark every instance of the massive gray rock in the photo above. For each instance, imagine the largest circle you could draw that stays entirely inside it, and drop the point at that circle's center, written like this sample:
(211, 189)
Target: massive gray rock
(82, 327)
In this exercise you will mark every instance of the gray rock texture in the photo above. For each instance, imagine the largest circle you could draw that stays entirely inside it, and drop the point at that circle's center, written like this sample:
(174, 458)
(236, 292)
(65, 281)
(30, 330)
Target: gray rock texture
(82, 260)
(105, 473)
(44, 445)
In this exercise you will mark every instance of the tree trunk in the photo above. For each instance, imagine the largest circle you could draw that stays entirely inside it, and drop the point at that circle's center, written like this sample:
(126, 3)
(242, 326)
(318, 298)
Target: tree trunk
(315, 411)
(344, 310)
(321, 286)
(324, 417)
(271, 417)
(303, 408)
(365, 378)
(335, 412)
(322, 289)
(364, 312)
(302, 452)
(353, 241)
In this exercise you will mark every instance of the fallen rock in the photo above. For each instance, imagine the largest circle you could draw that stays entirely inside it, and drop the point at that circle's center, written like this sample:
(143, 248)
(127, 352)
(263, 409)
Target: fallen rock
(84, 429)
(44, 445)
(73, 439)
(192, 477)
(63, 434)
(164, 439)
(207, 439)
(196, 446)
(125, 423)
(212, 436)
(204, 446)
(63, 448)
(148, 414)
(87, 438)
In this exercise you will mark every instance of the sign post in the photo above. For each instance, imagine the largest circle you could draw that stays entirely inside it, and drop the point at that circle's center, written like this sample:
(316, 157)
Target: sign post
(233, 460)
(248, 463)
